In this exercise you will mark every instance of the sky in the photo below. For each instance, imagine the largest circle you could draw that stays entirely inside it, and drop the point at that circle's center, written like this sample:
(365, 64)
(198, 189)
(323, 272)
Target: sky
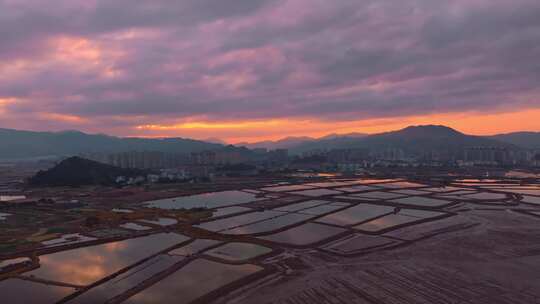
(250, 70)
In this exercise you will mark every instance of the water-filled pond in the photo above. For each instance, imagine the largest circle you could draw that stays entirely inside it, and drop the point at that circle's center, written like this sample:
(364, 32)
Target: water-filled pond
(387, 221)
(206, 200)
(486, 196)
(379, 195)
(135, 226)
(229, 210)
(355, 214)
(194, 280)
(239, 220)
(531, 199)
(238, 251)
(127, 280)
(288, 188)
(360, 242)
(85, 265)
(306, 234)
(16, 291)
(162, 221)
(302, 205)
(194, 247)
(270, 224)
(421, 201)
(9, 198)
(318, 192)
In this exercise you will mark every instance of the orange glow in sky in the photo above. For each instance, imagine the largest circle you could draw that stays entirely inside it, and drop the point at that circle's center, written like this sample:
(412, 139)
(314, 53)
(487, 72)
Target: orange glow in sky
(252, 131)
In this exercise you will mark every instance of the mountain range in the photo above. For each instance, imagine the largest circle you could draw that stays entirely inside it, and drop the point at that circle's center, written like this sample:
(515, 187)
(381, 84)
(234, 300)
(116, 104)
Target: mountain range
(292, 143)
(529, 140)
(16, 144)
(413, 139)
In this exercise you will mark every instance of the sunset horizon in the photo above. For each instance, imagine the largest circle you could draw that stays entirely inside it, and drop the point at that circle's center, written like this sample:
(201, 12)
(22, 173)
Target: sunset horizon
(267, 69)
(485, 124)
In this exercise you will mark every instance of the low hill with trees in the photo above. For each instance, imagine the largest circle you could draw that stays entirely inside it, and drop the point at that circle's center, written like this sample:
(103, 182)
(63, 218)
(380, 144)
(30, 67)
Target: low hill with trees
(77, 171)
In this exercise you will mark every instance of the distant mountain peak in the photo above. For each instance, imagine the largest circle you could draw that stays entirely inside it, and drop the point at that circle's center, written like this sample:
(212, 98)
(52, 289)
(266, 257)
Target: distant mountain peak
(430, 130)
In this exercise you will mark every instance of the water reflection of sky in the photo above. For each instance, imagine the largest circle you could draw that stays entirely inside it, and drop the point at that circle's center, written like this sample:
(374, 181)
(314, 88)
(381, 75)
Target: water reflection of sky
(8, 198)
(421, 201)
(16, 291)
(209, 200)
(304, 235)
(269, 225)
(243, 219)
(238, 251)
(387, 221)
(86, 265)
(356, 214)
(128, 280)
(192, 281)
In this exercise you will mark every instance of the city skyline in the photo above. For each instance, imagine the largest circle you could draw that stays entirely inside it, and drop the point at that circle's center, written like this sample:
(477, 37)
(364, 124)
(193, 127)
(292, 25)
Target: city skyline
(267, 69)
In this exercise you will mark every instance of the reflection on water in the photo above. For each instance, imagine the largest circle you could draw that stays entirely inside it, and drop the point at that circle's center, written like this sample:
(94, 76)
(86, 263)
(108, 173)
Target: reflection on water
(269, 225)
(238, 251)
(67, 239)
(135, 226)
(486, 196)
(385, 222)
(400, 185)
(376, 181)
(300, 206)
(333, 184)
(356, 214)
(86, 265)
(420, 213)
(421, 201)
(9, 198)
(239, 220)
(193, 281)
(127, 280)
(357, 188)
(360, 242)
(11, 262)
(26, 292)
(162, 221)
(304, 235)
(321, 209)
(531, 199)
(410, 192)
(208, 200)
(318, 192)
(194, 247)
(521, 174)
(229, 210)
(379, 195)
(288, 188)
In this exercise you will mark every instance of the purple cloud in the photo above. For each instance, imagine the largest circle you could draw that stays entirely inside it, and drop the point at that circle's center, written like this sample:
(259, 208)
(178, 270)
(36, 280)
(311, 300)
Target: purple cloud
(118, 64)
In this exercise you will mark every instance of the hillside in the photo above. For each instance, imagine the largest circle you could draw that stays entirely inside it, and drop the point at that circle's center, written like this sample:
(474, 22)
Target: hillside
(285, 143)
(76, 171)
(529, 140)
(412, 140)
(26, 144)
(293, 143)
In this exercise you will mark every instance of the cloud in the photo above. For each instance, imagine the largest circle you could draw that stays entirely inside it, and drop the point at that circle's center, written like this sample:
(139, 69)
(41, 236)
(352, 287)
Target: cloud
(116, 65)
